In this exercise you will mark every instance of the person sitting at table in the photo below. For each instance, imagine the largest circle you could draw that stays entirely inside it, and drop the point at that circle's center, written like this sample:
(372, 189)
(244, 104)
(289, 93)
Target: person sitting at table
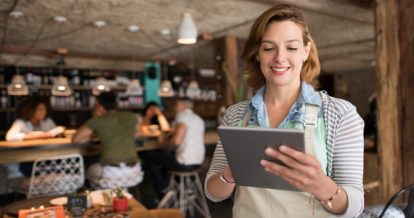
(184, 146)
(33, 122)
(153, 116)
(119, 165)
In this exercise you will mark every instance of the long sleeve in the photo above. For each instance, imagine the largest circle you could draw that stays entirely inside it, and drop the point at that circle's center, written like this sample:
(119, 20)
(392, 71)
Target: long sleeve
(231, 118)
(345, 140)
(348, 160)
(16, 131)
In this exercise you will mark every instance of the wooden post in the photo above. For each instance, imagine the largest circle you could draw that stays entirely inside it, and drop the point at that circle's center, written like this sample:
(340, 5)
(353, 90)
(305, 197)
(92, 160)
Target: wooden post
(407, 86)
(231, 60)
(395, 64)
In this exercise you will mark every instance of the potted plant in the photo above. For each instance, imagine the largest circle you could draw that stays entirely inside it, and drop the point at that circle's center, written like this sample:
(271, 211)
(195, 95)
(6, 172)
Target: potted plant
(120, 202)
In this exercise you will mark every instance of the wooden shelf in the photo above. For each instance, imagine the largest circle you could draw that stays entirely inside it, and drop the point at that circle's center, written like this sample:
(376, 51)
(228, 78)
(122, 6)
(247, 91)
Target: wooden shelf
(12, 109)
(8, 109)
(74, 87)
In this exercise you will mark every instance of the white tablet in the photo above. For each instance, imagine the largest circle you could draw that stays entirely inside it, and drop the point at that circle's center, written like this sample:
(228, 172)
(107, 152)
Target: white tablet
(244, 148)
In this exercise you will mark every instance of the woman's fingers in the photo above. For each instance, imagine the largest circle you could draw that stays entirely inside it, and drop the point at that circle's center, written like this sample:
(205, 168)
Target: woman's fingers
(292, 158)
(299, 169)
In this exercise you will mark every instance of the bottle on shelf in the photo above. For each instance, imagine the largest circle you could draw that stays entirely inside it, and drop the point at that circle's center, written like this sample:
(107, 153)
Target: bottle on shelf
(4, 99)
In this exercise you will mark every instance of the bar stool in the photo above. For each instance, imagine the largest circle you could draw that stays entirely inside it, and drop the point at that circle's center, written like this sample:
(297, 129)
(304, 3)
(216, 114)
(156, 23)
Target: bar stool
(185, 192)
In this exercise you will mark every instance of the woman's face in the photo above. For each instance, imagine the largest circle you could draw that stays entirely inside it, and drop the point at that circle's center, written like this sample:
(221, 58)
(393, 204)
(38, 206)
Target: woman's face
(40, 113)
(282, 53)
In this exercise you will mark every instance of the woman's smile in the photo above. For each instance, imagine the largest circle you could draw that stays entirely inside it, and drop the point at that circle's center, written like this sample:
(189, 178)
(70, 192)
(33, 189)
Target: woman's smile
(279, 70)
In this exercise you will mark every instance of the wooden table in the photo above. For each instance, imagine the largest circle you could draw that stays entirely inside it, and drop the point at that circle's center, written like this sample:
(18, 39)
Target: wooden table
(30, 150)
(136, 209)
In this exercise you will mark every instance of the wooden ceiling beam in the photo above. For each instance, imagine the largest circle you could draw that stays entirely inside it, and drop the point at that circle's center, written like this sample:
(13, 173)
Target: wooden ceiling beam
(329, 8)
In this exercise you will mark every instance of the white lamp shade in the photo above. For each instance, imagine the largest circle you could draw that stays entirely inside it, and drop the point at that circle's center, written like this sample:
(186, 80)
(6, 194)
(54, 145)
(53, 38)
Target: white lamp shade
(18, 87)
(61, 87)
(100, 86)
(193, 90)
(134, 88)
(166, 89)
(187, 30)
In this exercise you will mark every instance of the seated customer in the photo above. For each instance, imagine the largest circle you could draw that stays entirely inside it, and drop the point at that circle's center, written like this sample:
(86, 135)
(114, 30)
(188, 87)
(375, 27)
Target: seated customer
(153, 116)
(187, 139)
(119, 165)
(33, 122)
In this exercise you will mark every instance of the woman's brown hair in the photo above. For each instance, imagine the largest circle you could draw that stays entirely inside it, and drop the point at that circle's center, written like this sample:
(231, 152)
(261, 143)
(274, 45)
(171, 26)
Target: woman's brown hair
(27, 108)
(311, 67)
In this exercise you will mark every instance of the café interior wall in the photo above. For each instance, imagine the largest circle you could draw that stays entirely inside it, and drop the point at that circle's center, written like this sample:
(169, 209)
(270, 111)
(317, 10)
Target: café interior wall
(356, 87)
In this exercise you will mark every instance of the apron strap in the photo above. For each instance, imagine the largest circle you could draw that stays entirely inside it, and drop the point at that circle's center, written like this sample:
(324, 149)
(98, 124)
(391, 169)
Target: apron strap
(311, 117)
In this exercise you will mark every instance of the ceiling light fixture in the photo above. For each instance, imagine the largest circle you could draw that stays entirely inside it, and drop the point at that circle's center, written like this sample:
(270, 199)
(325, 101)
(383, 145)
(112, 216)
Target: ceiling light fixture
(134, 88)
(187, 30)
(133, 28)
(100, 86)
(18, 86)
(166, 89)
(165, 32)
(16, 14)
(61, 87)
(59, 19)
(99, 24)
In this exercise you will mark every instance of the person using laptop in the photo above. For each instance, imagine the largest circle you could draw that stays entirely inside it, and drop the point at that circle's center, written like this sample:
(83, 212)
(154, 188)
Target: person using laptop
(282, 63)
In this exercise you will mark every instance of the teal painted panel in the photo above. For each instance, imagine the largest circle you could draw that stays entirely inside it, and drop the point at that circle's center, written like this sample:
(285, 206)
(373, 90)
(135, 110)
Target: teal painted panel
(152, 82)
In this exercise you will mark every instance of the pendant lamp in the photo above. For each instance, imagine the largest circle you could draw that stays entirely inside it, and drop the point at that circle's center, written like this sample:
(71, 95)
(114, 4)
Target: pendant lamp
(61, 87)
(18, 86)
(100, 86)
(187, 30)
(166, 89)
(193, 90)
(134, 88)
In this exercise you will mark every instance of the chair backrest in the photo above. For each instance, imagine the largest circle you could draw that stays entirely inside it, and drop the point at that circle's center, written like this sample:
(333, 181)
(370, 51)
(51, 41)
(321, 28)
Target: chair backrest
(56, 175)
(409, 209)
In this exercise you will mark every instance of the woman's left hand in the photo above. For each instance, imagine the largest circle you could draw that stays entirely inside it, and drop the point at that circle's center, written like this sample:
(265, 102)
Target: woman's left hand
(301, 170)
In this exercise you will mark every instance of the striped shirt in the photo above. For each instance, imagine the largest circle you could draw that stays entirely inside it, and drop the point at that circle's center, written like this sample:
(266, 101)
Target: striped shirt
(344, 133)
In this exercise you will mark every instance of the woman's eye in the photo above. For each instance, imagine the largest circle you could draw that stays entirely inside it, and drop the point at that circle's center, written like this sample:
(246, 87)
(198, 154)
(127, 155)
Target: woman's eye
(292, 49)
(267, 49)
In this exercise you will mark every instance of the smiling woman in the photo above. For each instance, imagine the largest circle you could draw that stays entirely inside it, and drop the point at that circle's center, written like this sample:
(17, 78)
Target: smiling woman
(281, 63)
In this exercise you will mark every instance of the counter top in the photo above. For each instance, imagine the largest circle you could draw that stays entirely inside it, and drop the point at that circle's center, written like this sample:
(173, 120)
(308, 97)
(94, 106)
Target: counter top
(22, 151)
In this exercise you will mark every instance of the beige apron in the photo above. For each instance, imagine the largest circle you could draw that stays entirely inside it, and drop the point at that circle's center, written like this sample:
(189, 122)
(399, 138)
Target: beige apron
(253, 202)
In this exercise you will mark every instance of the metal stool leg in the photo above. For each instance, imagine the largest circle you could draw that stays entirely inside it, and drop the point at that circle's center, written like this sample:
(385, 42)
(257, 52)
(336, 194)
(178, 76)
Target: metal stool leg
(202, 198)
(187, 194)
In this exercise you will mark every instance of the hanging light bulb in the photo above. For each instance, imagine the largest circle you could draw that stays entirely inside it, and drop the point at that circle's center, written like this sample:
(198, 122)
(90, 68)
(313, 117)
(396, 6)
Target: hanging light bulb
(166, 89)
(17, 87)
(187, 30)
(134, 88)
(100, 86)
(61, 87)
